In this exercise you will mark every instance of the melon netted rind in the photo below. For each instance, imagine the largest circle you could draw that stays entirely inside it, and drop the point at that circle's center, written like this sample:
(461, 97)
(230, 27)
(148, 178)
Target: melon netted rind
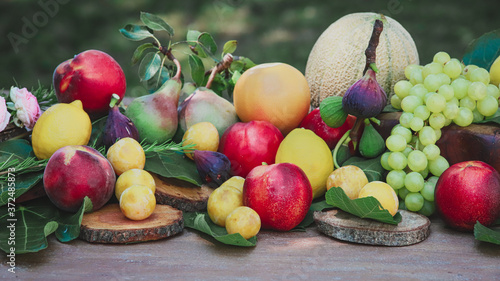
(338, 59)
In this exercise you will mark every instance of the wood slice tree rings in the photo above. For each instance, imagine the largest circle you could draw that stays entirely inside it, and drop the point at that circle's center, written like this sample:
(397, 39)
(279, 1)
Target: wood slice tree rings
(181, 195)
(109, 225)
(412, 229)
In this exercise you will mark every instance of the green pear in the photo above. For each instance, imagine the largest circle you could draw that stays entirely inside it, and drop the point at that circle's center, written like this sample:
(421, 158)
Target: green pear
(204, 105)
(155, 115)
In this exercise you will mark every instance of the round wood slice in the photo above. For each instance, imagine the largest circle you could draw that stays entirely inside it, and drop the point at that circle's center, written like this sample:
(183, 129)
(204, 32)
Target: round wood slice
(412, 229)
(181, 194)
(109, 225)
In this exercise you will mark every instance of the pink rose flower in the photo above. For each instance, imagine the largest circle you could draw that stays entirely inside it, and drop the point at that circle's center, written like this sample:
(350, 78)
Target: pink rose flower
(4, 114)
(26, 104)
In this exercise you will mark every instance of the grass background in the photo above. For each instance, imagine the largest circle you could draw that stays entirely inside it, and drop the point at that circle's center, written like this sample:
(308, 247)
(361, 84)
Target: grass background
(267, 31)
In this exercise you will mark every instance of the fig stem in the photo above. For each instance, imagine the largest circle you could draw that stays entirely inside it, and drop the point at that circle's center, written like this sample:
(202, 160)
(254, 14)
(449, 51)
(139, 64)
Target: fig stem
(114, 100)
(375, 120)
(371, 50)
(337, 147)
(221, 66)
(355, 132)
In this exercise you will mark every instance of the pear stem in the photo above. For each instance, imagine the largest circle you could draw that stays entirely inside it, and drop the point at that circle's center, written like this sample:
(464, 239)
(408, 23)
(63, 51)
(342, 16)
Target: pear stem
(371, 50)
(221, 66)
(168, 53)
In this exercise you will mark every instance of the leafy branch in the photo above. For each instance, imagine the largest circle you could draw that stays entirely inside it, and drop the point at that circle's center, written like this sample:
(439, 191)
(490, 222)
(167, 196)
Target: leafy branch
(201, 45)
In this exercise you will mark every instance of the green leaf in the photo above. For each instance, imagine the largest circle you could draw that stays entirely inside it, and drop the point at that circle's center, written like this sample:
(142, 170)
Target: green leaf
(197, 69)
(136, 32)
(96, 135)
(484, 50)
(159, 79)
(203, 223)
(34, 222)
(23, 183)
(495, 118)
(367, 207)
(69, 224)
(192, 35)
(15, 149)
(234, 78)
(372, 167)
(207, 43)
(229, 47)
(140, 51)
(173, 165)
(309, 219)
(156, 23)
(150, 64)
(482, 233)
(390, 108)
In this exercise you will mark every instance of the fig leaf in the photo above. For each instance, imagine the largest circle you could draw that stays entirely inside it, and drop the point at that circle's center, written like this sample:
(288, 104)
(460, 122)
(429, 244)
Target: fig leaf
(203, 223)
(482, 233)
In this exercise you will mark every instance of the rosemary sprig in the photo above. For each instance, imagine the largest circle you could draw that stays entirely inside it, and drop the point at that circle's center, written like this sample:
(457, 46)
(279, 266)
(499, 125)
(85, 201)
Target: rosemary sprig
(30, 164)
(165, 148)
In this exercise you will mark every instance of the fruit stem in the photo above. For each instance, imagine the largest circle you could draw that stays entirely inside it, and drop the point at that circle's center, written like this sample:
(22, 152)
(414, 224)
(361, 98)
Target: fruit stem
(355, 132)
(371, 50)
(375, 120)
(168, 53)
(221, 66)
(114, 100)
(337, 147)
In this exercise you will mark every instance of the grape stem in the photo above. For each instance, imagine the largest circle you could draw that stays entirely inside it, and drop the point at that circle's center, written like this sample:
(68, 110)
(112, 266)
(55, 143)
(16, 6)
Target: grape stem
(336, 149)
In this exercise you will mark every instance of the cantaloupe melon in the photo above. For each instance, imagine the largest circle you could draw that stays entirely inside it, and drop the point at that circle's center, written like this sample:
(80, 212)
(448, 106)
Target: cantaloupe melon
(337, 59)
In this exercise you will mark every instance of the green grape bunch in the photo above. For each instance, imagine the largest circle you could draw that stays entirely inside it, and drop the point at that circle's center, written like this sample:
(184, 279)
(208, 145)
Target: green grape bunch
(435, 95)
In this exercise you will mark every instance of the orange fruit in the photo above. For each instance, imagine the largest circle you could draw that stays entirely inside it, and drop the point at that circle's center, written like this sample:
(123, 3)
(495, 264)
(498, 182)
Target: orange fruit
(273, 92)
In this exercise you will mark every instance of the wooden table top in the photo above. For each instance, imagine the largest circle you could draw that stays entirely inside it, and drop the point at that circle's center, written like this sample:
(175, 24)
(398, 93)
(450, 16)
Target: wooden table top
(310, 255)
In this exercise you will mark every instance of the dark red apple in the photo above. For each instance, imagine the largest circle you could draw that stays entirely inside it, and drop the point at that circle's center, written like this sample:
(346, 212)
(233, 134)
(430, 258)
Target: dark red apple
(280, 193)
(92, 77)
(249, 144)
(330, 135)
(76, 171)
(468, 192)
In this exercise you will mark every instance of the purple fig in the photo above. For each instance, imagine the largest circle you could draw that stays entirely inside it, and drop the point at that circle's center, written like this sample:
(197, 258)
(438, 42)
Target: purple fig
(365, 98)
(118, 126)
(214, 167)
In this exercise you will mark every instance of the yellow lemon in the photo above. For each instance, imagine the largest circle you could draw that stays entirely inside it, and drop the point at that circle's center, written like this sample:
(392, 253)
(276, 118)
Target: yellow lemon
(203, 135)
(383, 193)
(305, 149)
(126, 154)
(61, 125)
(495, 72)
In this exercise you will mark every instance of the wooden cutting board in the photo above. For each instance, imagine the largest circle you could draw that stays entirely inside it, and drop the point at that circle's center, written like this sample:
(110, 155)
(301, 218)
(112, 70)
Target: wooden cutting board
(109, 225)
(412, 229)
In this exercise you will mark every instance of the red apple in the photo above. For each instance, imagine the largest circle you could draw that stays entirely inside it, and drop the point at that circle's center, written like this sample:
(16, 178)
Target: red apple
(249, 144)
(92, 77)
(468, 192)
(280, 193)
(76, 171)
(330, 135)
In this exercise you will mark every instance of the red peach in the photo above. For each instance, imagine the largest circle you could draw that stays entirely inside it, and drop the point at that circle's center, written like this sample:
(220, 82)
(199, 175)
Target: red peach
(76, 171)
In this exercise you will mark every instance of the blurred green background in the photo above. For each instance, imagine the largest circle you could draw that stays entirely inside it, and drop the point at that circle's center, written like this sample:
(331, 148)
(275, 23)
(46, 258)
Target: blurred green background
(266, 31)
